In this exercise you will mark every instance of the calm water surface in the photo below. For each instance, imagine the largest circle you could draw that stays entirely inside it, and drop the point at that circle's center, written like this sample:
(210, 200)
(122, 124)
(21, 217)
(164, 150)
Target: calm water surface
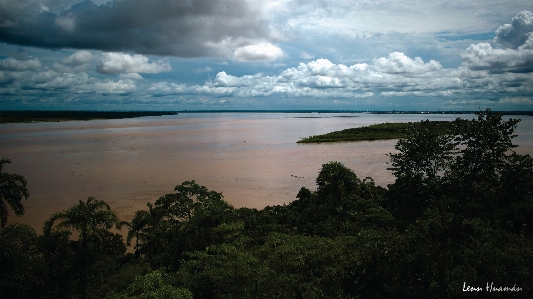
(252, 158)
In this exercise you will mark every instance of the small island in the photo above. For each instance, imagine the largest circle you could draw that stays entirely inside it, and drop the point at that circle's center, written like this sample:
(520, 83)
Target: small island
(373, 132)
(30, 116)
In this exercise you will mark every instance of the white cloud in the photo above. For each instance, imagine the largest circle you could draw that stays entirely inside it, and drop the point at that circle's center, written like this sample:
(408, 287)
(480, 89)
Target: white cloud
(395, 75)
(398, 63)
(115, 63)
(132, 76)
(517, 33)
(12, 64)
(114, 87)
(370, 17)
(53, 82)
(203, 70)
(483, 57)
(517, 101)
(528, 45)
(76, 62)
(262, 51)
(305, 55)
(79, 58)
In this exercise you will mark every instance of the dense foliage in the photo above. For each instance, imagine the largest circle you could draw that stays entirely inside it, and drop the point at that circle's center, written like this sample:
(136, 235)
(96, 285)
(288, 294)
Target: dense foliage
(457, 222)
(12, 190)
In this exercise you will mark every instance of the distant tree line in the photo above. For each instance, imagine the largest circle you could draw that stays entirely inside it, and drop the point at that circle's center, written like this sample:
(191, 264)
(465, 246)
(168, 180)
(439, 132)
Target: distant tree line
(456, 223)
(20, 116)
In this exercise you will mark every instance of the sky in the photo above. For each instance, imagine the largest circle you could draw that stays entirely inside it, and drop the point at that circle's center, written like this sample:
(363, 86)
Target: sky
(266, 55)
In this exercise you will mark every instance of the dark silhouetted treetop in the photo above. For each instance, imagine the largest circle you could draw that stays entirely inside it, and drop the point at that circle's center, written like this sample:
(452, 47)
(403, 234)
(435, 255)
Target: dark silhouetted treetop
(12, 190)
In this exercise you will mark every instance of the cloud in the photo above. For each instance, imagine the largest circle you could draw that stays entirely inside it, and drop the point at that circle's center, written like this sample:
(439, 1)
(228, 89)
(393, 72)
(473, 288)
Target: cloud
(76, 62)
(262, 51)
(193, 28)
(517, 101)
(305, 55)
(497, 71)
(323, 79)
(483, 57)
(518, 32)
(395, 75)
(76, 83)
(115, 63)
(397, 63)
(204, 70)
(79, 58)
(67, 23)
(132, 76)
(508, 102)
(516, 58)
(12, 64)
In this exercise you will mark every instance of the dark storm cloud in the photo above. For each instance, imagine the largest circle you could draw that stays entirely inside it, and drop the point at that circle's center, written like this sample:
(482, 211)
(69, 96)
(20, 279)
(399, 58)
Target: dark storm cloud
(184, 28)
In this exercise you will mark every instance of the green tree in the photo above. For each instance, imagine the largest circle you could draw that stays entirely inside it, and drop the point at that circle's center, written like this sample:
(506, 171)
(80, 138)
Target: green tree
(152, 286)
(454, 187)
(92, 220)
(12, 190)
(178, 222)
(21, 266)
(59, 254)
(342, 204)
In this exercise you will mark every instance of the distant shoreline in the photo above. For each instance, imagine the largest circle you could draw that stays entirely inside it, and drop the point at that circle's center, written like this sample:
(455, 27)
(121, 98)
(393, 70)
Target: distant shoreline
(359, 111)
(32, 116)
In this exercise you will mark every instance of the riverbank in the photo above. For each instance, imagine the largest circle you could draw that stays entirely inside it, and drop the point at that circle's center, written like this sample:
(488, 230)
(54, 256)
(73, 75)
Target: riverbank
(33, 116)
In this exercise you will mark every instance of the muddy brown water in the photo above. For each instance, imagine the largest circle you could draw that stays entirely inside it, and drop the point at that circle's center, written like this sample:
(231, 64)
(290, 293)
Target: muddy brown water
(252, 158)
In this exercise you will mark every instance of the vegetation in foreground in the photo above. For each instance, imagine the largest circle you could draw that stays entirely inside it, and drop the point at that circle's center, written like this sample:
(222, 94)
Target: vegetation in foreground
(373, 132)
(457, 223)
(26, 116)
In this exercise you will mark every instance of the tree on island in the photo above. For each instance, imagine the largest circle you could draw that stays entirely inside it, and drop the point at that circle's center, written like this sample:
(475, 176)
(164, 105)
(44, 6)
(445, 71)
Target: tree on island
(12, 190)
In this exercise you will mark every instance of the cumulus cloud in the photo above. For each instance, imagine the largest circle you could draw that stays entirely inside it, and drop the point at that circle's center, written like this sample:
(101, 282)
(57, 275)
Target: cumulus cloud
(262, 51)
(76, 62)
(518, 32)
(321, 78)
(16, 65)
(483, 57)
(132, 76)
(76, 83)
(79, 58)
(397, 63)
(517, 57)
(192, 28)
(395, 75)
(116, 63)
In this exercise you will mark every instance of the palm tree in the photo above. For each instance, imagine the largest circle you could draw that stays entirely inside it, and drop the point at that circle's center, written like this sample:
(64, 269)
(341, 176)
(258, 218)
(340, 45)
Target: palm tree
(91, 219)
(12, 189)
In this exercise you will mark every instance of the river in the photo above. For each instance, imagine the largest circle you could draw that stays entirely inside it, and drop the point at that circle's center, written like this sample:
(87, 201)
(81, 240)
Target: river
(252, 158)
